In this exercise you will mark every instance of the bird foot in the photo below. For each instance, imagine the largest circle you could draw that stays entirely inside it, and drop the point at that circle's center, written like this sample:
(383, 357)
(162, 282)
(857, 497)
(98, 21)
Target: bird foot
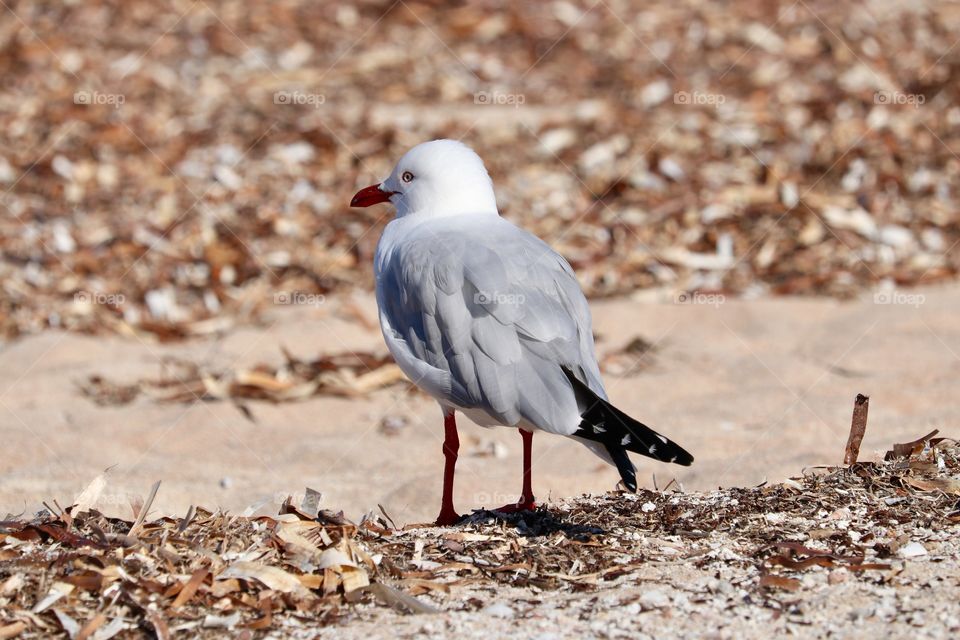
(447, 518)
(522, 505)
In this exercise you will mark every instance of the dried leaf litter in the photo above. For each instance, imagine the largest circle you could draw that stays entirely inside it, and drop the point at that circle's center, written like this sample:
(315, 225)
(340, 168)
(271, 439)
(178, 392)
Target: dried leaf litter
(77, 571)
(155, 185)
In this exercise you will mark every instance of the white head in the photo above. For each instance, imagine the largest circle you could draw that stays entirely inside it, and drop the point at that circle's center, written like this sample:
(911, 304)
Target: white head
(436, 178)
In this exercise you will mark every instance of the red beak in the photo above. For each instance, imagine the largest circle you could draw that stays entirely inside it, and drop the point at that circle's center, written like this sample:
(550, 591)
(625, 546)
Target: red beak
(370, 195)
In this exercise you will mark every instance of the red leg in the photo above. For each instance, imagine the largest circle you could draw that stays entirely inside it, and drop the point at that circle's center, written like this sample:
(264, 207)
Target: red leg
(451, 445)
(526, 497)
(527, 501)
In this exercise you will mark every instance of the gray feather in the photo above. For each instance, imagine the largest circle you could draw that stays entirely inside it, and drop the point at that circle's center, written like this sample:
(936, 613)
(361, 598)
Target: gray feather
(486, 316)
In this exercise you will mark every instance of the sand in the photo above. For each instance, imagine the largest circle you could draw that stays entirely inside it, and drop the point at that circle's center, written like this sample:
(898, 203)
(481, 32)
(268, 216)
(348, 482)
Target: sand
(756, 389)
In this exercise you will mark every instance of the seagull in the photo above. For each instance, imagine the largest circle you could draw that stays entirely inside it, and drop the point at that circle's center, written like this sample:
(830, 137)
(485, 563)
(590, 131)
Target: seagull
(490, 321)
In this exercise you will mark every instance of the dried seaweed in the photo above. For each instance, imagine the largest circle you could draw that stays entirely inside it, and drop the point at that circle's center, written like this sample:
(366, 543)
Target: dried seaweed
(78, 571)
(348, 374)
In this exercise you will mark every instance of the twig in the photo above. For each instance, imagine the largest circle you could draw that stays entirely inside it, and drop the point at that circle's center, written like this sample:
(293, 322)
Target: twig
(52, 510)
(187, 519)
(858, 427)
(389, 519)
(146, 507)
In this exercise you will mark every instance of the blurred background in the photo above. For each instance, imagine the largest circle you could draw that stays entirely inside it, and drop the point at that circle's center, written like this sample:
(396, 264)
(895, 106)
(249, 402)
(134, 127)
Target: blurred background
(760, 197)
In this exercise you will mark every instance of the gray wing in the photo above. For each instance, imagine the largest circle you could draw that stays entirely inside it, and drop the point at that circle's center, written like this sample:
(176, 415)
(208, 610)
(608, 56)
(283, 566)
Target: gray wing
(487, 317)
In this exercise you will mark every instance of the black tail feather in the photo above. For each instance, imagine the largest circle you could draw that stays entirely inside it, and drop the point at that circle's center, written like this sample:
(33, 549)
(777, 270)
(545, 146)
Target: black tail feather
(618, 433)
(627, 472)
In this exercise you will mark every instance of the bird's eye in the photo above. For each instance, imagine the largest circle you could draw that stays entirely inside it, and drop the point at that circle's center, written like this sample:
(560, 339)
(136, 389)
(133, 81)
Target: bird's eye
(407, 176)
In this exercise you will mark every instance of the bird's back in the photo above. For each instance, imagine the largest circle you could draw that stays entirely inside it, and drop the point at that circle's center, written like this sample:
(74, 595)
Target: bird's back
(485, 316)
